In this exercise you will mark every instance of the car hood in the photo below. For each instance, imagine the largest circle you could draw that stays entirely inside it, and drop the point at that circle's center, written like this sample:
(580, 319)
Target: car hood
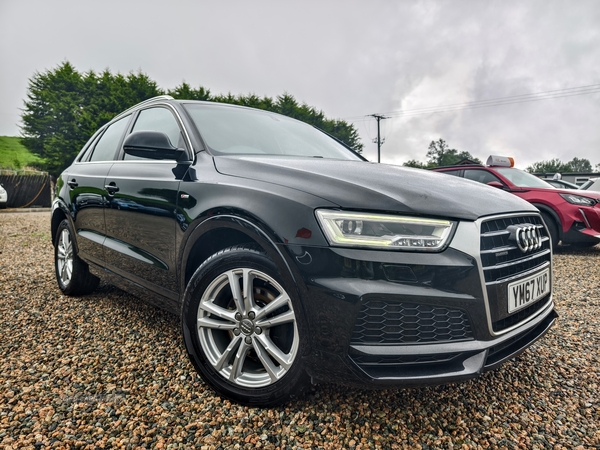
(378, 187)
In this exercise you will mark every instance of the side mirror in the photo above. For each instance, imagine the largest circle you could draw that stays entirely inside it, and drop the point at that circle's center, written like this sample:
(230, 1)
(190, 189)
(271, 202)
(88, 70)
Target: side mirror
(496, 184)
(151, 145)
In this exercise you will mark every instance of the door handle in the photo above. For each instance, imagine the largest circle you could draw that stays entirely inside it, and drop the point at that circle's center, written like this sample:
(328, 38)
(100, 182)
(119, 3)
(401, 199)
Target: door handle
(111, 188)
(72, 183)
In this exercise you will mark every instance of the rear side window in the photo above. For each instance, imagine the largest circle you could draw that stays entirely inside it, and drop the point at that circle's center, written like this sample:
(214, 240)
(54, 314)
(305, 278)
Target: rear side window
(106, 148)
(482, 176)
(455, 173)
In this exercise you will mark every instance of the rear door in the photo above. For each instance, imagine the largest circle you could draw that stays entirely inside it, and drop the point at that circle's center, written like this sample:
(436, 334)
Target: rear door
(87, 194)
(141, 219)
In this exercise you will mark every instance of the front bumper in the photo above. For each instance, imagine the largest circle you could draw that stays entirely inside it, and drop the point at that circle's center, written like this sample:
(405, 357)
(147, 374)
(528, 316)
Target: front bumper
(425, 365)
(380, 318)
(585, 226)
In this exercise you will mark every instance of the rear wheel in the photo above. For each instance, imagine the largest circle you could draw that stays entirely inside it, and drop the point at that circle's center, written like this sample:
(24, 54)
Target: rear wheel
(72, 274)
(552, 228)
(242, 328)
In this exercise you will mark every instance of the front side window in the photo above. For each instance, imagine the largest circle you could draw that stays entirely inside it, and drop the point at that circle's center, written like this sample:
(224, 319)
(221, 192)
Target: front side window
(158, 119)
(106, 147)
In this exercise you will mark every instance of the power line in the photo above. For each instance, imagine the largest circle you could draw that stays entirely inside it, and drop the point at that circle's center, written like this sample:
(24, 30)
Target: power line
(500, 101)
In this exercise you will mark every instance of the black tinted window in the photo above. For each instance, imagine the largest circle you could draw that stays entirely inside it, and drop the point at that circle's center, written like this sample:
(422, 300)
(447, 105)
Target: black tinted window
(482, 176)
(455, 173)
(106, 148)
(158, 119)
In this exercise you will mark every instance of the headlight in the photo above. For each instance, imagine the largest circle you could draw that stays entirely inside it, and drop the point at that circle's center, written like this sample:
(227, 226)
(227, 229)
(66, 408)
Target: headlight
(578, 200)
(349, 229)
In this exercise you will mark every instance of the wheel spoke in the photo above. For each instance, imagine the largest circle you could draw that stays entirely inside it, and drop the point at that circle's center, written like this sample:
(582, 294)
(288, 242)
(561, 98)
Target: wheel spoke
(69, 271)
(61, 253)
(280, 319)
(265, 360)
(227, 353)
(234, 284)
(248, 283)
(238, 362)
(274, 351)
(215, 310)
(280, 301)
(208, 322)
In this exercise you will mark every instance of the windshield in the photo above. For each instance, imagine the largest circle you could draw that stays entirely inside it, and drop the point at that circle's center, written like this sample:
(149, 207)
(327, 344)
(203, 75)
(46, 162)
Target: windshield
(238, 131)
(522, 179)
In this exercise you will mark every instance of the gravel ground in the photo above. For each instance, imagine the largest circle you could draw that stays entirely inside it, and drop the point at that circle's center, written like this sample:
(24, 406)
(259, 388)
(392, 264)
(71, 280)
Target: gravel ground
(108, 371)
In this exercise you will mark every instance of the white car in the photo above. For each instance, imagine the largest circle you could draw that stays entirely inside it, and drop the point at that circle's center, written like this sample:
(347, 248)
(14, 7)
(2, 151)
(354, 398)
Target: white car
(593, 184)
(3, 197)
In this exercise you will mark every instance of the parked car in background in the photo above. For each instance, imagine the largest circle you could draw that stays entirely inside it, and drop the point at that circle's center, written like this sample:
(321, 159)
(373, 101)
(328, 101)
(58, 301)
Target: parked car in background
(593, 184)
(3, 197)
(572, 216)
(560, 184)
(290, 258)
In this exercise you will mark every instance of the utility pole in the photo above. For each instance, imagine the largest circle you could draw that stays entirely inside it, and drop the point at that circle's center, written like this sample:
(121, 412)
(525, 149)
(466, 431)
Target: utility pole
(379, 141)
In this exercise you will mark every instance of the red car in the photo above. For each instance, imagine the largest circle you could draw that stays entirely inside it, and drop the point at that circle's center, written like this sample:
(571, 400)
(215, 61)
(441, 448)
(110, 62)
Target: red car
(572, 216)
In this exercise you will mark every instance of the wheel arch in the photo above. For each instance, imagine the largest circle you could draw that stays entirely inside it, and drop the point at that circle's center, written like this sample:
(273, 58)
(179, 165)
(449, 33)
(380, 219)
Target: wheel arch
(221, 231)
(58, 215)
(553, 215)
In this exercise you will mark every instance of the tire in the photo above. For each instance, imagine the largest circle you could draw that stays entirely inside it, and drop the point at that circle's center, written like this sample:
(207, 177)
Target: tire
(73, 275)
(247, 348)
(552, 229)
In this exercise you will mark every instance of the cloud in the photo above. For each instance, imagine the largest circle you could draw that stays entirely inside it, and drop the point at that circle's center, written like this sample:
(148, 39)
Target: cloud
(348, 58)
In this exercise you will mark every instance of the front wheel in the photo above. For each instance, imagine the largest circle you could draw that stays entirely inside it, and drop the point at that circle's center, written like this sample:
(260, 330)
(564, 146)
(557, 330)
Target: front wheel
(242, 328)
(552, 229)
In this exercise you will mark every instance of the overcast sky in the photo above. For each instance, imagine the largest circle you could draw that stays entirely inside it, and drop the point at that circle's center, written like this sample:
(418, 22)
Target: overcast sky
(346, 58)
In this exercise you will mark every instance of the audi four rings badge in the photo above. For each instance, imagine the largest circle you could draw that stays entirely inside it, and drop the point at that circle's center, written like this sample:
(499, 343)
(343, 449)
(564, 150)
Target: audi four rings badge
(527, 237)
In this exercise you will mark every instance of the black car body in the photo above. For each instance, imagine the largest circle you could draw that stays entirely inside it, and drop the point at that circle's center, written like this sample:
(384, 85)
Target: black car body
(302, 261)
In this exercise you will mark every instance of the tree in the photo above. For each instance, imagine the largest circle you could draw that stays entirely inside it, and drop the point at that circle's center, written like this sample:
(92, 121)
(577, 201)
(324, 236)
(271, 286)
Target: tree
(440, 155)
(557, 166)
(580, 165)
(416, 164)
(186, 92)
(64, 108)
(287, 105)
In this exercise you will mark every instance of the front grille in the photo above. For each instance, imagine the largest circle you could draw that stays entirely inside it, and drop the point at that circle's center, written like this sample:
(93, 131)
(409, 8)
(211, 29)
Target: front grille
(501, 258)
(386, 322)
(511, 320)
(503, 261)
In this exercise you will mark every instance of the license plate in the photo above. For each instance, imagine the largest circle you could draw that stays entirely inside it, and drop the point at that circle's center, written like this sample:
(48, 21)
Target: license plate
(528, 290)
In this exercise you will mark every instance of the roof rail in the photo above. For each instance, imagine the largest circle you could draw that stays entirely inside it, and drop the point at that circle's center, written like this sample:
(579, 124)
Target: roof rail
(150, 100)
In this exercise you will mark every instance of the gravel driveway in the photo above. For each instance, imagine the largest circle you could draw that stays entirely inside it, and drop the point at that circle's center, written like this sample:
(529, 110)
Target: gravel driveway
(108, 371)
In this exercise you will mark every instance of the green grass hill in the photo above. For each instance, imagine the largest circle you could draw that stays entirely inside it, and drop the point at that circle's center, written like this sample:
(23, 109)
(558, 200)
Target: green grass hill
(14, 156)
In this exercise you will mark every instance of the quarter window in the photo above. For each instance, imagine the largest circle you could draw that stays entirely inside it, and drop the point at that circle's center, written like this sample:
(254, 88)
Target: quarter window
(106, 148)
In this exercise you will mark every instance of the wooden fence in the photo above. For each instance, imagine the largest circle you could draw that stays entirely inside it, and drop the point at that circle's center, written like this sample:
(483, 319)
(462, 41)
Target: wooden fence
(25, 191)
